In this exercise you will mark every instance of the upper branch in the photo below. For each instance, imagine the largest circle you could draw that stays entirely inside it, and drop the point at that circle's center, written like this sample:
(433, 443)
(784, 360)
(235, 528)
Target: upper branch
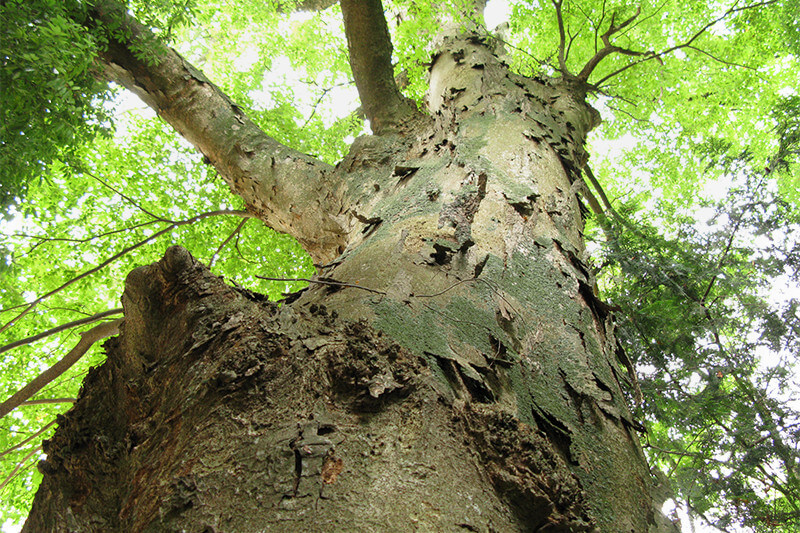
(608, 48)
(286, 189)
(371, 61)
(562, 43)
(687, 44)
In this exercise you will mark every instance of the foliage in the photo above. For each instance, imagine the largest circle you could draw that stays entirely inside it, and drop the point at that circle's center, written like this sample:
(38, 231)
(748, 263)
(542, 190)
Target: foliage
(126, 190)
(717, 345)
(56, 103)
(703, 93)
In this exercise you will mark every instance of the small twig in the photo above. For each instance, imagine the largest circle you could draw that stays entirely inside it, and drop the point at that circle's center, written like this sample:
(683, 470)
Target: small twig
(631, 115)
(62, 327)
(10, 476)
(718, 60)
(639, 21)
(592, 23)
(27, 440)
(128, 198)
(29, 307)
(454, 285)
(239, 251)
(49, 400)
(571, 40)
(43, 240)
(226, 241)
(331, 282)
(319, 100)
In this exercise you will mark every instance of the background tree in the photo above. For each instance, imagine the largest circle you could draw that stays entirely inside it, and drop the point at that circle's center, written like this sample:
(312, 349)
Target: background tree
(698, 92)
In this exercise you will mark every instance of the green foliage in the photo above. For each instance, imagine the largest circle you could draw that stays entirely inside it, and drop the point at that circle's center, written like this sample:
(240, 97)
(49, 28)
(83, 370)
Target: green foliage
(164, 17)
(125, 190)
(717, 346)
(51, 102)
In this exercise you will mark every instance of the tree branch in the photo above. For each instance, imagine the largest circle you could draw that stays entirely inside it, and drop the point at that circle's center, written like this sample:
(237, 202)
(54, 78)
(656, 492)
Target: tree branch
(608, 48)
(687, 44)
(27, 440)
(227, 240)
(88, 338)
(371, 61)
(562, 43)
(29, 307)
(325, 281)
(62, 327)
(718, 60)
(43, 240)
(49, 400)
(600, 192)
(125, 197)
(288, 190)
(13, 473)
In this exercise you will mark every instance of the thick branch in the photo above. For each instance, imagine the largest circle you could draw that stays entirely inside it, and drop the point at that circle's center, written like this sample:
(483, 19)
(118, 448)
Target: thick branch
(371, 61)
(288, 190)
(88, 338)
(562, 43)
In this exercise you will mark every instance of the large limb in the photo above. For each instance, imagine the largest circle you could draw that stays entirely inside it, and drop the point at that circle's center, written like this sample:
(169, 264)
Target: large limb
(371, 61)
(290, 191)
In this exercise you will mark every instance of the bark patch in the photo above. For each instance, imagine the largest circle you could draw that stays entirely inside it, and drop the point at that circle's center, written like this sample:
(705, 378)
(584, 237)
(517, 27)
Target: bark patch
(370, 370)
(527, 472)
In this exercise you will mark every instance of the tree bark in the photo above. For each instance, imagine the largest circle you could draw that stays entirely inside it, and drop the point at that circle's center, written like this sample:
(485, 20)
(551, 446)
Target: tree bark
(474, 384)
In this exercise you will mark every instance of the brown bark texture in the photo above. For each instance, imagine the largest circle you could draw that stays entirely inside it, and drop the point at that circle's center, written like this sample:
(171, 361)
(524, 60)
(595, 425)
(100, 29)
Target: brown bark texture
(449, 370)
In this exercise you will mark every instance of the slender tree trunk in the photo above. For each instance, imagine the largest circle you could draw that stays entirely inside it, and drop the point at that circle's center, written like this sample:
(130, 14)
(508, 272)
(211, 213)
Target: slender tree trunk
(450, 370)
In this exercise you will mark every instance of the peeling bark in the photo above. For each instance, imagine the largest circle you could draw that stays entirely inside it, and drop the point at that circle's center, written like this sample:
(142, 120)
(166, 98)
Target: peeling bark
(234, 414)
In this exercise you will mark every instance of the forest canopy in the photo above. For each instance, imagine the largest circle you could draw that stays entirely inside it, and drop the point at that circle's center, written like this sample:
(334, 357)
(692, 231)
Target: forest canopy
(691, 193)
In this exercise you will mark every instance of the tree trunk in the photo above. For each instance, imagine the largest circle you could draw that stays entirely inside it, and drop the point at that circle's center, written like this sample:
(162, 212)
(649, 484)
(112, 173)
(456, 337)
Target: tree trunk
(450, 370)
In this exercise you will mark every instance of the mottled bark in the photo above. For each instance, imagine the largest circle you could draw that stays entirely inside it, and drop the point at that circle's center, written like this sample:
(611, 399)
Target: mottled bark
(450, 370)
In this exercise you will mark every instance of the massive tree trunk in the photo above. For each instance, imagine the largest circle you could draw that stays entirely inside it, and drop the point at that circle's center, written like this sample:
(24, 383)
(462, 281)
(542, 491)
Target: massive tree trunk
(450, 369)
